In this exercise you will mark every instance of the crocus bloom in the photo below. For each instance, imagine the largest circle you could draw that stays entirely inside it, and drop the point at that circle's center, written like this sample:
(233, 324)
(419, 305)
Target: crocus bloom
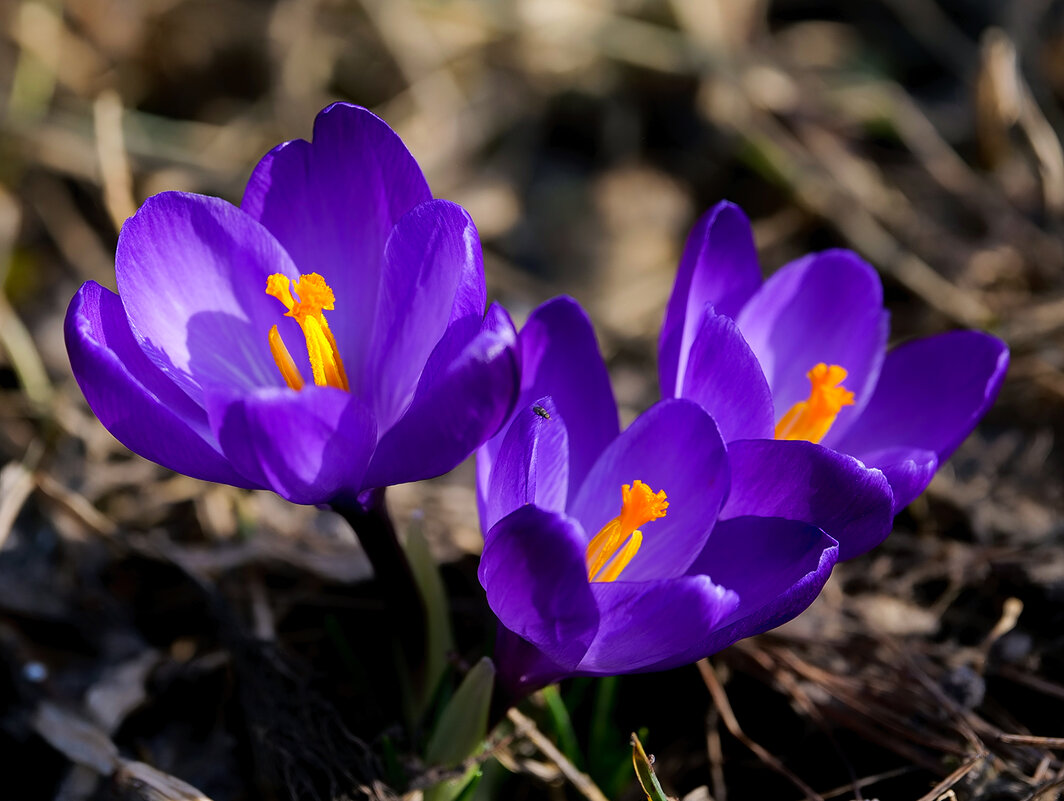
(607, 552)
(796, 370)
(326, 337)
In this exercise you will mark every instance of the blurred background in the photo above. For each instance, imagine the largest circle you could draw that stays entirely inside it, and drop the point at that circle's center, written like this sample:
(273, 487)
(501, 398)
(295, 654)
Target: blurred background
(155, 629)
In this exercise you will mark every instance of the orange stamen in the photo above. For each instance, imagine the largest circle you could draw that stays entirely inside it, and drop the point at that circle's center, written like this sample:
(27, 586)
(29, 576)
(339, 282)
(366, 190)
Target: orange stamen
(284, 360)
(811, 419)
(312, 297)
(610, 551)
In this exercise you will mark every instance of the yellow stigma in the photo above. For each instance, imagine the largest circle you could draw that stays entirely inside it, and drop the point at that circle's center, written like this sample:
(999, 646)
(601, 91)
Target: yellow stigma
(312, 297)
(811, 419)
(614, 546)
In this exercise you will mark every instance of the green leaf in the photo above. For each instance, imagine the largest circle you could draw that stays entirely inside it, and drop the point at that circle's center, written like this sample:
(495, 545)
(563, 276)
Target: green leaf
(461, 729)
(439, 641)
(563, 725)
(644, 771)
(461, 789)
(464, 723)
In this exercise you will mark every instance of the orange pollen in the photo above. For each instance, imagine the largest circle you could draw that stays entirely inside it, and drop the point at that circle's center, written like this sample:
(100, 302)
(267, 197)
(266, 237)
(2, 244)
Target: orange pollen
(610, 551)
(312, 297)
(812, 418)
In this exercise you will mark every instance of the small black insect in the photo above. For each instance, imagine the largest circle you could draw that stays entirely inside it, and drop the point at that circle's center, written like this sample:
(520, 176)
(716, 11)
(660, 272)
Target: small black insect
(541, 412)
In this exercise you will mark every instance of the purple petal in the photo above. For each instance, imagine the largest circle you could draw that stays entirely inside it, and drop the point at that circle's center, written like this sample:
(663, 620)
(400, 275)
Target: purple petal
(532, 465)
(522, 667)
(930, 394)
(653, 625)
(140, 406)
(719, 268)
(909, 471)
(723, 376)
(460, 402)
(332, 203)
(812, 484)
(430, 250)
(673, 446)
(826, 307)
(777, 568)
(560, 358)
(192, 275)
(310, 446)
(533, 572)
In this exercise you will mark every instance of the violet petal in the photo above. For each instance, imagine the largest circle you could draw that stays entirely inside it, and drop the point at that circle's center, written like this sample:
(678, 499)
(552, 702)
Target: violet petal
(533, 572)
(429, 251)
(653, 625)
(931, 393)
(718, 268)
(559, 357)
(310, 446)
(532, 464)
(332, 203)
(460, 402)
(812, 484)
(777, 568)
(909, 471)
(134, 400)
(723, 376)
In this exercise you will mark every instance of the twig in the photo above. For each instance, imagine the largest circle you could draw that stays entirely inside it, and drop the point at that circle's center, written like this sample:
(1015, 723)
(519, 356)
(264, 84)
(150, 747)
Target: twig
(77, 505)
(805, 703)
(868, 781)
(1045, 788)
(939, 789)
(1052, 743)
(715, 752)
(581, 781)
(720, 700)
(16, 485)
(1001, 63)
(115, 173)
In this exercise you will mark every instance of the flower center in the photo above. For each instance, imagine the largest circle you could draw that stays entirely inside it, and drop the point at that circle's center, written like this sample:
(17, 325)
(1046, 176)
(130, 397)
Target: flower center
(812, 418)
(314, 297)
(614, 546)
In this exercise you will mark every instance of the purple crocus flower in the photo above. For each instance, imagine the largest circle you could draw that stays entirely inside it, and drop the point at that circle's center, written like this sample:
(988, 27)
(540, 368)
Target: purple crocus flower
(326, 337)
(607, 552)
(796, 373)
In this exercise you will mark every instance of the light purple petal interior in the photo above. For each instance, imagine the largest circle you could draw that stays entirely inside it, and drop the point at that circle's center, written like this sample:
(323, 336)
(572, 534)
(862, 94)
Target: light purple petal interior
(192, 275)
(723, 376)
(332, 204)
(718, 268)
(673, 446)
(825, 307)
